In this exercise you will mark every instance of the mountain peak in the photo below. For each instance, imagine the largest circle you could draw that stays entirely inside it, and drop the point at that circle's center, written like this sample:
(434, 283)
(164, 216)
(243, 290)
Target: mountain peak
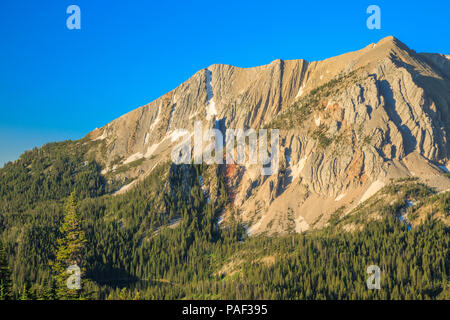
(391, 42)
(347, 124)
(388, 39)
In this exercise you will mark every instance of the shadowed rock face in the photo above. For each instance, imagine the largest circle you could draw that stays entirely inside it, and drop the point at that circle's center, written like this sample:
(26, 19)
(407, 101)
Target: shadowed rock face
(347, 124)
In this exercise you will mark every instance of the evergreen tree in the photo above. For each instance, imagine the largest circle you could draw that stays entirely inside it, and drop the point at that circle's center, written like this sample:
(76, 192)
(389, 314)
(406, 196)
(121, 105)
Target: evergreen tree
(5, 275)
(70, 253)
(27, 292)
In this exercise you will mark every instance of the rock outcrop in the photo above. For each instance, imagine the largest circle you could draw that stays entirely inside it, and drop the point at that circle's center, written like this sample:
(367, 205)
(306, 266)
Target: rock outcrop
(347, 125)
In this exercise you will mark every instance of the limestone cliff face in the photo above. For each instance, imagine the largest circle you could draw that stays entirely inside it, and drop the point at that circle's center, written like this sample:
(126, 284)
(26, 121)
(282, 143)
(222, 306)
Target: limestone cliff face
(347, 124)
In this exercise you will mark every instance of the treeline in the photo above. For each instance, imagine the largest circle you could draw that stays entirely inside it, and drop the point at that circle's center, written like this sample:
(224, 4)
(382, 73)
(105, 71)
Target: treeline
(48, 173)
(123, 233)
(414, 265)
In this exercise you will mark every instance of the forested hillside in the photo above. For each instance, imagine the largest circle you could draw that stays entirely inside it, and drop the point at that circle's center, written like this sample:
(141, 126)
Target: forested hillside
(162, 240)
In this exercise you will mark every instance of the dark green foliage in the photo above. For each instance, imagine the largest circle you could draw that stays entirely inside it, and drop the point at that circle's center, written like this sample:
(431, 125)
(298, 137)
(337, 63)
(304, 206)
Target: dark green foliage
(299, 111)
(32, 193)
(5, 275)
(49, 173)
(161, 240)
(414, 264)
(321, 136)
(70, 251)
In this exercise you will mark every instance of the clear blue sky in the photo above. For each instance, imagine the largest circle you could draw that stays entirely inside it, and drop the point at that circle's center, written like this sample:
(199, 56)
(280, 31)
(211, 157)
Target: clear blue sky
(58, 84)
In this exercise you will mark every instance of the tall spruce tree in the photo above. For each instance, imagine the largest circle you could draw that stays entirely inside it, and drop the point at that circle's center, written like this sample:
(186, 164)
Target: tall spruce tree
(5, 275)
(70, 254)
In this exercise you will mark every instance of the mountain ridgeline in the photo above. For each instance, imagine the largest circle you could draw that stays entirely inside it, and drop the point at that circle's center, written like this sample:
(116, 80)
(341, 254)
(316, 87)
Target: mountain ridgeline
(363, 179)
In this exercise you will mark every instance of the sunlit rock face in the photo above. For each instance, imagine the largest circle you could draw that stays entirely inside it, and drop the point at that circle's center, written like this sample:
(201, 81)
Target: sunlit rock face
(347, 126)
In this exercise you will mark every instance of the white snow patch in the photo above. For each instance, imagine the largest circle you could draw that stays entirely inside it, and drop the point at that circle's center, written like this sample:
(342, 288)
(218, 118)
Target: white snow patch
(134, 157)
(297, 169)
(374, 188)
(173, 136)
(125, 187)
(317, 120)
(211, 110)
(340, 197)
(153, 125)
(254, 227)
(300, 92)
(151, 149)
(102, 137)
(301, 224)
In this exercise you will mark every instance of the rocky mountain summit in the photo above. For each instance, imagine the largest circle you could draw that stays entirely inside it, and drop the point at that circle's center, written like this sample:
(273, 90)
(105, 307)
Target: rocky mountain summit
(348, 126)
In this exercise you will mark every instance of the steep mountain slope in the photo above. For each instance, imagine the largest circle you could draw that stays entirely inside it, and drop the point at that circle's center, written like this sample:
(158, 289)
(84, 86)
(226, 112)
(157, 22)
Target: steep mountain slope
(362, 179)
(347, 124)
